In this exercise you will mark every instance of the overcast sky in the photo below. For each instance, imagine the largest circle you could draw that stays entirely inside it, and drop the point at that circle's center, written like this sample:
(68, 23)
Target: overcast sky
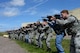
(15, 12)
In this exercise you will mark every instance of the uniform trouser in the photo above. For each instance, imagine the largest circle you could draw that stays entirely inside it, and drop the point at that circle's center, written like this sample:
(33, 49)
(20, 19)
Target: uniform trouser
(40, 40)
(12, 36)
(16, 36)
(49, 36)
(72, 44)
(24, 37)
(77, 42)
(58, 43)
(9, 36)
(21, 37)
(31, 37)
(37, 38)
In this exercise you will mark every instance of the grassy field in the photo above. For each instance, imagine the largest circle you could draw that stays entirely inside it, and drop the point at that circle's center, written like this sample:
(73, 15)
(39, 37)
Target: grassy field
(2, 33)
(34, 49)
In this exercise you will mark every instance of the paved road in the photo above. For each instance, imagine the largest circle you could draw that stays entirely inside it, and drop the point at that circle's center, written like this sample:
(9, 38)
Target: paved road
(9, 46)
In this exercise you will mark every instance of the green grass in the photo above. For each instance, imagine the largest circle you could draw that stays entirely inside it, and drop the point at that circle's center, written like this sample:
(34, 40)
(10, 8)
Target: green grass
(34, 49)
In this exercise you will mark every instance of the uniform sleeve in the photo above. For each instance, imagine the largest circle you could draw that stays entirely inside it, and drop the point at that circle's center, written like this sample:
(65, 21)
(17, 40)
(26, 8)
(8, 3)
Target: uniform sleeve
(52, 24)
(69, 20)
(45, 27)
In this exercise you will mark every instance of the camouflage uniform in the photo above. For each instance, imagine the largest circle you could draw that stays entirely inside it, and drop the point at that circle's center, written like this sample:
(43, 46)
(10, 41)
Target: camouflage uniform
(16, 35)
(73, 28)
(38, 40)
(37, 37)
(49, 35)
(41, 36)
(12, 35)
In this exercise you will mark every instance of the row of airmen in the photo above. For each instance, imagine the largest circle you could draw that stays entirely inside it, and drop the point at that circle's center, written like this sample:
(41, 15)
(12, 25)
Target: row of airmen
(34, 34)
(59, 24)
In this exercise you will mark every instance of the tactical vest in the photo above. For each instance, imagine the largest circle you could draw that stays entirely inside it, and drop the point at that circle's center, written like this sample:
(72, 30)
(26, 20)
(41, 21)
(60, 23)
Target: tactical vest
(58, 29)
(72, 27)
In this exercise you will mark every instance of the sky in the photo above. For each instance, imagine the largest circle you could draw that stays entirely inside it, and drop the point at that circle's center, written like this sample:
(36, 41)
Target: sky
(15, 12)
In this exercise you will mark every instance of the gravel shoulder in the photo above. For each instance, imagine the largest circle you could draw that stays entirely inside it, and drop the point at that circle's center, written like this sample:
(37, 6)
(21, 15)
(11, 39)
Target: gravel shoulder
(9, 46)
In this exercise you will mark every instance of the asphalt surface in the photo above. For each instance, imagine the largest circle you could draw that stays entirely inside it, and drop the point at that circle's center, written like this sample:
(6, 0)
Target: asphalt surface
(9, 46)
